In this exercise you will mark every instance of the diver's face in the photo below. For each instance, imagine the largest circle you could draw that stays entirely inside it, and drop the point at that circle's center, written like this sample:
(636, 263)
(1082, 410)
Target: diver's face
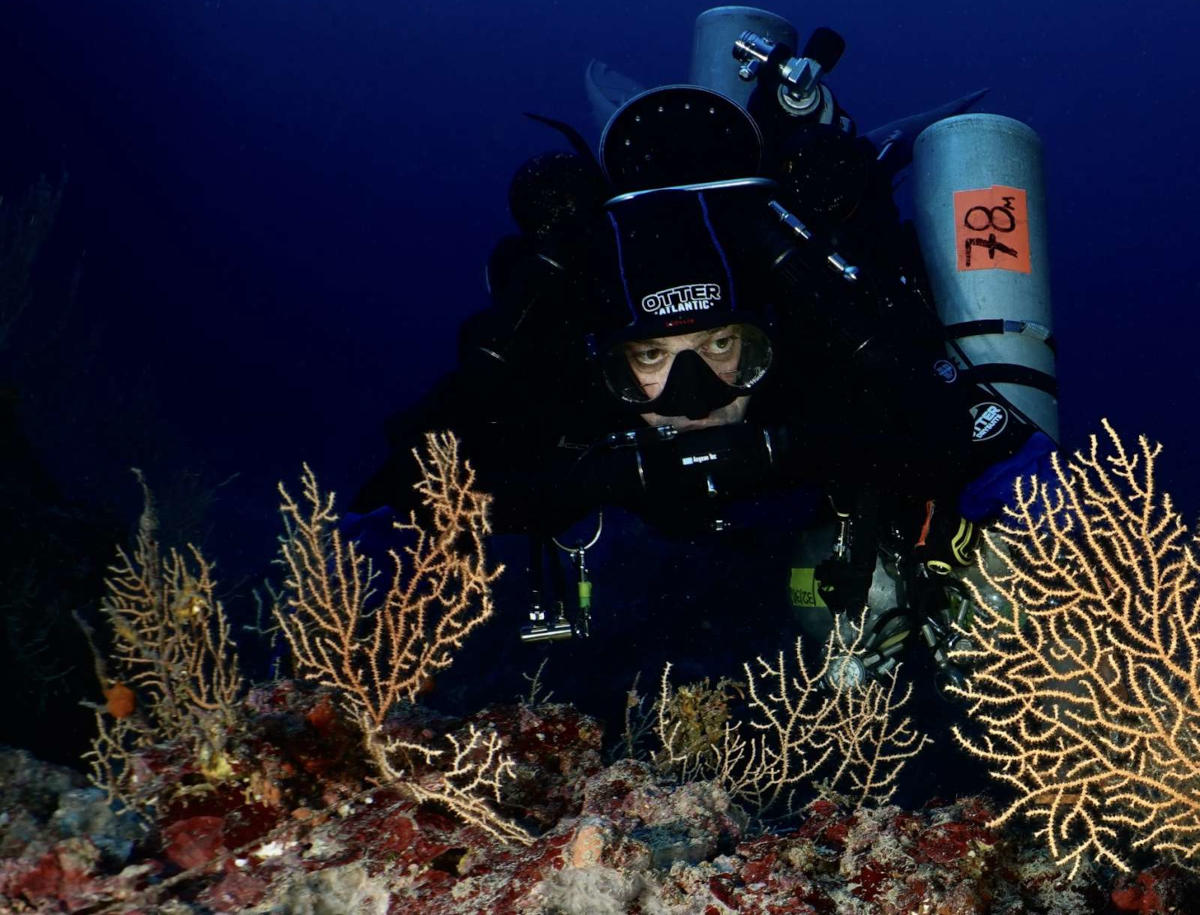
(720, 348)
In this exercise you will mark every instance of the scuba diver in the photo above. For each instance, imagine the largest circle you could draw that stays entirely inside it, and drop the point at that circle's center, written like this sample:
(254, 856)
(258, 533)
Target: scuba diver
(713, 396)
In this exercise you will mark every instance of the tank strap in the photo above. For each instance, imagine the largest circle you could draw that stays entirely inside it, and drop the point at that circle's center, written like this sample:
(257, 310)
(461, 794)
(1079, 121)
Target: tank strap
(1001, 326)
(1008, 373)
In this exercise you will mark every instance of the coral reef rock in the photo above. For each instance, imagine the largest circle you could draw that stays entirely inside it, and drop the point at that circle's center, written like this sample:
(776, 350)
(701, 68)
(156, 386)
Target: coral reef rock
(296, 824)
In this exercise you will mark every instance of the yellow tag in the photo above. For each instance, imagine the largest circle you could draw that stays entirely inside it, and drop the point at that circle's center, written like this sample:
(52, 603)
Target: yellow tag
(803, 589)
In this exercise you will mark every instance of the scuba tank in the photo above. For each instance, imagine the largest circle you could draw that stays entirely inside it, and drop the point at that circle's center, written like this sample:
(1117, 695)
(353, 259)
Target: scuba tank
(716, 31)
(981, 220)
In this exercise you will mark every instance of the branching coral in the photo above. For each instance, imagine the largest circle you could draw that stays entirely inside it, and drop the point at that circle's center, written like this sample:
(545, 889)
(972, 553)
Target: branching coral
(1086, 681)
(172, 670)
(379, 649)
(804, 725)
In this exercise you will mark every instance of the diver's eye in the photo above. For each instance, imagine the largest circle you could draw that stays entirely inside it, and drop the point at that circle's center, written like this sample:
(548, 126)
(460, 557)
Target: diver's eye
(648, 357)
(720, 346)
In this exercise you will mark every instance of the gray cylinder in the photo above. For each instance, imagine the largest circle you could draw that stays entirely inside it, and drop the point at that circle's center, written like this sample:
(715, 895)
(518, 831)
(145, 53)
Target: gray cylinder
(981, 218)
(716, 30)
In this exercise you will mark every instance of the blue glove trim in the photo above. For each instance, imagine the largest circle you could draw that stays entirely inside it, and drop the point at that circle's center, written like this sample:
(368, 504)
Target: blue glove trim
(373, 531)
(986, 496)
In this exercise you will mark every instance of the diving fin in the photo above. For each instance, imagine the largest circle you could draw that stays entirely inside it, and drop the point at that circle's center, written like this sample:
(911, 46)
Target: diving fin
(607, 90)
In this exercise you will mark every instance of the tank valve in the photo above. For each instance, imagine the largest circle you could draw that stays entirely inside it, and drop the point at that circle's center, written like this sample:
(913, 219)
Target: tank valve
(800, 91)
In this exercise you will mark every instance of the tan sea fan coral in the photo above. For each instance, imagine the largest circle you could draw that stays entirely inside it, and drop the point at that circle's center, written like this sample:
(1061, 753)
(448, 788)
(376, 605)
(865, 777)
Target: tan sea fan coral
(804, 724)
(1086, 678)
(377, 649)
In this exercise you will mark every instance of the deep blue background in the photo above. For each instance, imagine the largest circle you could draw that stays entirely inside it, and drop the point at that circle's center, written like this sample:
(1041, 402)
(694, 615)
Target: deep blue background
(282, 208)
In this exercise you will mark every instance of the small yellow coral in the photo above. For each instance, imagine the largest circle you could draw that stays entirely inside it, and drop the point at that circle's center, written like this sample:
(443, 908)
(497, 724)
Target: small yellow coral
(172, 661)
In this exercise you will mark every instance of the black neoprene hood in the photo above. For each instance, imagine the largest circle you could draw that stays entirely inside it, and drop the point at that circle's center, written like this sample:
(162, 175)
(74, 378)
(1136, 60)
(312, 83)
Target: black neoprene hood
(666, 262)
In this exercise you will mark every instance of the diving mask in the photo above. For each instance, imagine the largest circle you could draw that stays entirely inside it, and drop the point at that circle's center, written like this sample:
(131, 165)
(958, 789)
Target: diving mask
(688, 374)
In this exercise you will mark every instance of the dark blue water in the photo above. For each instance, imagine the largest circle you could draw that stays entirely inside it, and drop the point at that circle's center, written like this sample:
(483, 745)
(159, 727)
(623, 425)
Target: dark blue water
(278, 211)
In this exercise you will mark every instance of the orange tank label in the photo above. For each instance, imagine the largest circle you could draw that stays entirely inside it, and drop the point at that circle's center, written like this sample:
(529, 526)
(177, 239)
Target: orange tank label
(992, 229)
